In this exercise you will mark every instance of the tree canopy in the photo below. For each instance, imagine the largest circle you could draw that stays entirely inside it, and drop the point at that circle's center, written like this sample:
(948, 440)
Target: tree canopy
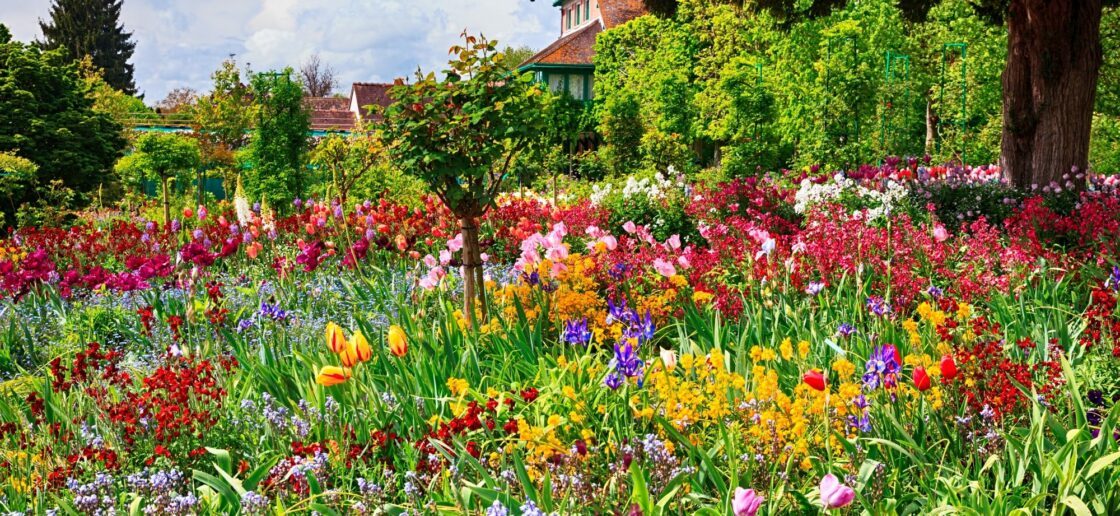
(93, 28)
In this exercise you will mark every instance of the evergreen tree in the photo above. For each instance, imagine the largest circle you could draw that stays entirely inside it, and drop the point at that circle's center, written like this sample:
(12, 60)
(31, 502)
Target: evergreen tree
(93, 28)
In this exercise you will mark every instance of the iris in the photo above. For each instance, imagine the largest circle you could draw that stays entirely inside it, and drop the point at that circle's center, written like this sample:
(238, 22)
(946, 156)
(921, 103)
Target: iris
(577, 332)
(881, 368)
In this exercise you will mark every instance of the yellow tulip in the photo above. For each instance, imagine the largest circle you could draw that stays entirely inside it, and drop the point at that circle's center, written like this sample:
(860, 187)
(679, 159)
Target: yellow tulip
(332, 375)
(398, 343)
(349, 355)
(336, 340)
(361, 346)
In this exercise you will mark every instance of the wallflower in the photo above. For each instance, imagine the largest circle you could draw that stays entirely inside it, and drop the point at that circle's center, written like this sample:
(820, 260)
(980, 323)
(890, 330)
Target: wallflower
(458, 386)
(786, 349)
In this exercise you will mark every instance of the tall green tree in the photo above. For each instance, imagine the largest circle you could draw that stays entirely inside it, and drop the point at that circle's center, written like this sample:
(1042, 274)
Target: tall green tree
(460, 134)
(93, 28)
(222, 120)
(279, 142)
(48, 117)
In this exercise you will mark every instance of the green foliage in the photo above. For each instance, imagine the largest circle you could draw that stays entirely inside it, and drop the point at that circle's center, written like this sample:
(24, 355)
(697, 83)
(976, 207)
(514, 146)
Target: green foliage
(1104, 146)
(823, 96)
(279, 142)
(92, 28)
(46, 112)
(161, 157)
(343, 160)
(461, 133)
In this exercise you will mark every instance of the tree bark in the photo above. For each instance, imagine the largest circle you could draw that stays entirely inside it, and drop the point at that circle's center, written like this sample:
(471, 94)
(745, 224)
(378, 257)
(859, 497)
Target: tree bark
(166, 201)
(1049, 85)
(474, 291)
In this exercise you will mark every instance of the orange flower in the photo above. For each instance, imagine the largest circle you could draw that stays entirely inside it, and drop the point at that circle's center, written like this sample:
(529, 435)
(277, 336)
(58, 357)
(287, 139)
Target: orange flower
(398, 342)
(336, 340)
(332, 375)
(355, 351)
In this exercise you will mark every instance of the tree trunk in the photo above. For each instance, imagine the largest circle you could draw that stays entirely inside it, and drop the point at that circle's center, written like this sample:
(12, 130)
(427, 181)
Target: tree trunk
(474, 291)
(1049, 84)
(166, 201)
(931, 126)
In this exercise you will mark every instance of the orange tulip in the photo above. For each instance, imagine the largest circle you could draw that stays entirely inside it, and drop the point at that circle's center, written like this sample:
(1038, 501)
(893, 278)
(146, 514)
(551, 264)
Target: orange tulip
(361, 346)
(336, 340)
(332, 375)
(398, 342)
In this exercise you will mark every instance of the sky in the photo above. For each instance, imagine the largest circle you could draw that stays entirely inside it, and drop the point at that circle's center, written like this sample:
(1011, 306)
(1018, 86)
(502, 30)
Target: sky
(179, 43)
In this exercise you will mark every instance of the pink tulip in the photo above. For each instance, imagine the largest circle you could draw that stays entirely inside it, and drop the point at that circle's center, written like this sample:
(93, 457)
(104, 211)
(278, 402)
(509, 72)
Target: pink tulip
(455, 244)
(834, 494)
(940, 233)
(664, 268)
(746, 502)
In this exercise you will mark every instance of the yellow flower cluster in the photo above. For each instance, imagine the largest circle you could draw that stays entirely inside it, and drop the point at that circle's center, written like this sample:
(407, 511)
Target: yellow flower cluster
(697, 391)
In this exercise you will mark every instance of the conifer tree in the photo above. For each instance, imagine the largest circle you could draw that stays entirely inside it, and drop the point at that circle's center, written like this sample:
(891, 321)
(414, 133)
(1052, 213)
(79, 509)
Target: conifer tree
(93, 28)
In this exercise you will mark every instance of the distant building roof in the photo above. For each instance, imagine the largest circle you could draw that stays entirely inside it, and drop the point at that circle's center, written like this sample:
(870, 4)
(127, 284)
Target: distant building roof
(327, 103)
(578, 46)
(366, 94)
(575, 48)
(617, 12)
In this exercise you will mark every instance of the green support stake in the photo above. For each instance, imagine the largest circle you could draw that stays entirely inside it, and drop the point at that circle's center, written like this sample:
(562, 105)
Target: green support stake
(961, 120)
(896, 68)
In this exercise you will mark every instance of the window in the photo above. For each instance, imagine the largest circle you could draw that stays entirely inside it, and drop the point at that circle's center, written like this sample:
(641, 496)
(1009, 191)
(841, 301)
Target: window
(555, 82)
(575, 86)
(586, 10)
(590, 87)
(569, 18)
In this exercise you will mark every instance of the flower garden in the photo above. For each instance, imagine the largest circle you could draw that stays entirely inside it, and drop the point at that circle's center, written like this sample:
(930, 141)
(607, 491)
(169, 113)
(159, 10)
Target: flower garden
(849, 344)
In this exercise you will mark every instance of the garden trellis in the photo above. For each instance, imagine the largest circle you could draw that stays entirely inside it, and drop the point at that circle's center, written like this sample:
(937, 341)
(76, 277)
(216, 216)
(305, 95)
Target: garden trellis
(896, 71)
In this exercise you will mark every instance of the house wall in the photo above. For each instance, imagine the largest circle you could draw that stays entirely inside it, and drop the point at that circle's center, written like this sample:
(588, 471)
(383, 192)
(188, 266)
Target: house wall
(588, 12)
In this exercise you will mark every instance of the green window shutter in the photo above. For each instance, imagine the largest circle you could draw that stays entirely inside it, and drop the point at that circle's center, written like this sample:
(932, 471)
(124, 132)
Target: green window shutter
(586, 10)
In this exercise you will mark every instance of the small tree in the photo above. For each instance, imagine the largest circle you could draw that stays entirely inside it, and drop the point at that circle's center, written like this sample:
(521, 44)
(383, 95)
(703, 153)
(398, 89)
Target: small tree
(222, 119)
(161, 156)
(279, 143)
(348, 158)
(318, 77)
(460, 135)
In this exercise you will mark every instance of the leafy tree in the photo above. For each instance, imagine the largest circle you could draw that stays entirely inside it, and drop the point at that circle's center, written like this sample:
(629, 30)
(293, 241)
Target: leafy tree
(223, 118)
(279, 143)
(93, 28)
(120, 106)
(161, 157)
(513, 57)
(47, 114)
(348, 158)
(16, 174)
(178, 100)
(461, 134)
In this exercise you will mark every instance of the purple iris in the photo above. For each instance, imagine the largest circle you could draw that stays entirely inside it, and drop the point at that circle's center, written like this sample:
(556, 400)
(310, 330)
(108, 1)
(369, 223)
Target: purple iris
(845, 330)
(641, 328)
(877, 306)
(626, 361)
(861, 423)
(273, 312)
(881, 368)
(577, 332)
(1114, 279)
(935, 292)
(613, 380)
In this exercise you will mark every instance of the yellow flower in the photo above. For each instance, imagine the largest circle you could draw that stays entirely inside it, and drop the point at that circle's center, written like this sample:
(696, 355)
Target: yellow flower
(398, 342)
(458, 386)
(700, 297)
(803, 348)
(569, 392)
(336, 339)
(786, 349)
(356, 350)
(555, 420)
(332, 375)
(843, 367)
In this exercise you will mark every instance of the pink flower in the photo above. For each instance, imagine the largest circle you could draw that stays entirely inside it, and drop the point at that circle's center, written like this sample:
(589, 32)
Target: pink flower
(664, 268)
(746, 502)
(430, 261)
(834, 494)
(673, 243)
(630, 227)
(444, 257)
(456, 243)
(682, 260)
(940, 233)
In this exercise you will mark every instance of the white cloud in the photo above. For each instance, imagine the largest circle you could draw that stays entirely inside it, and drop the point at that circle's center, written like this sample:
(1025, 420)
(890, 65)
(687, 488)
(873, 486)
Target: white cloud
(180, 42)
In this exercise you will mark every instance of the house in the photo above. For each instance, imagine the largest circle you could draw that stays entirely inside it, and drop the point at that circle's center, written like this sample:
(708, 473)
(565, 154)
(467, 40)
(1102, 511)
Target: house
(568, 63)
(344, 113)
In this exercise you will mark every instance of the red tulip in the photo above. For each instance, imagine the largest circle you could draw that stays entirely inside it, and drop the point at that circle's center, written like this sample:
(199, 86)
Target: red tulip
(948, 368)
(921, 379)
(815, 379)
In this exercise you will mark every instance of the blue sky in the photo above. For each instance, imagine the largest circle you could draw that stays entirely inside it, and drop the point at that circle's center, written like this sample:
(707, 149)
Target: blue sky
(180, 42)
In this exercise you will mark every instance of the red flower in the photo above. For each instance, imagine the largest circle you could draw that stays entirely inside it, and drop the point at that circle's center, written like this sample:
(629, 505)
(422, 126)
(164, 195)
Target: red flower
(948, 368)
(530, 394)
(921, 379)
(815, 379)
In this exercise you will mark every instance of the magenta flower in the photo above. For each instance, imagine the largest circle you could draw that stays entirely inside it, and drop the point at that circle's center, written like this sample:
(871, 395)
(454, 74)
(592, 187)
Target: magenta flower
(746, 502)
(834, 494)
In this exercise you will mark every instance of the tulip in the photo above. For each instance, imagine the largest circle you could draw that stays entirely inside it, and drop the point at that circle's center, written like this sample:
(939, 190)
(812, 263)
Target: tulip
(948, 368)
(332, 375)
(746, 502)
(669, 358)
(398, 342)
(834, 494)
(815, 379)
(361, 346)
(336, 340)
(921, 379)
